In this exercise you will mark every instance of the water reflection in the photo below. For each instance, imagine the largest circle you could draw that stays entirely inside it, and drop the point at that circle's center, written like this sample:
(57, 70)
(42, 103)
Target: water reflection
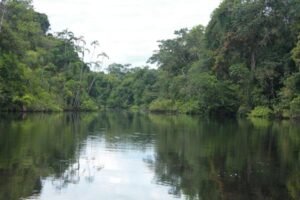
(119, 155)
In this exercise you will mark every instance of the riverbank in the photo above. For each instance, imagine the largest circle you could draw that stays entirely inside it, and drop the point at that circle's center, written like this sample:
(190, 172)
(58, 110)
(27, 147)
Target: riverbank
(262, 113)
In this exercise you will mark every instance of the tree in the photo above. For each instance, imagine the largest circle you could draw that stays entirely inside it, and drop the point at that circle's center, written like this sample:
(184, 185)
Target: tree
(296, 54)
(176, 55)
(3, 10)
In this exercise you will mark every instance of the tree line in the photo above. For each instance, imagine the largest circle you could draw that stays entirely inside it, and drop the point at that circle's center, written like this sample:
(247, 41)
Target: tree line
(246, 61)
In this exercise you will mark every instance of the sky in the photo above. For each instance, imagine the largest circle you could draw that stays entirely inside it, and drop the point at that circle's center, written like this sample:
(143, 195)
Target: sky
(127, 30)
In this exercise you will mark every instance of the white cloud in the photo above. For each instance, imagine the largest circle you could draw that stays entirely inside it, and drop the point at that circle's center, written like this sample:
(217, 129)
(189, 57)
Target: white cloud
(127, 30)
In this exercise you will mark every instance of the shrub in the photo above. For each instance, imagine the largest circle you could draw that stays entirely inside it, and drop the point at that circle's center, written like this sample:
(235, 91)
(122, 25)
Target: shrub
(134, 108)
(188, 107)
(261, 112)
(162, 105)
(89, 105)
(295, 107)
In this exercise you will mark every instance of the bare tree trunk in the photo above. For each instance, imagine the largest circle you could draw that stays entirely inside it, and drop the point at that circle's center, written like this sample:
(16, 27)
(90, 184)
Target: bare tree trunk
(77, 97)
(3, 10)
(253, 61)
(91, 85)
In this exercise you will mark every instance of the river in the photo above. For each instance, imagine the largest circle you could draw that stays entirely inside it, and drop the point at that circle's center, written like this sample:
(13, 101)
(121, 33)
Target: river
(122, 155)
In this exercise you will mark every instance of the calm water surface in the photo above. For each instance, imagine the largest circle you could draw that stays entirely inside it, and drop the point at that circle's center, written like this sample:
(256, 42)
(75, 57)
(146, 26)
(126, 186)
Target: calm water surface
(119, 155)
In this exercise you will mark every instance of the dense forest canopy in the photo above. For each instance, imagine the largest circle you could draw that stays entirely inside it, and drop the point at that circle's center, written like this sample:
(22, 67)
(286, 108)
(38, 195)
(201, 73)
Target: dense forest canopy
(246, 60)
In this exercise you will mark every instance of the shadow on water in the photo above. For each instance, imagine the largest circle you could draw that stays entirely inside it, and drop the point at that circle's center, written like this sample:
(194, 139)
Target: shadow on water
(195, 158)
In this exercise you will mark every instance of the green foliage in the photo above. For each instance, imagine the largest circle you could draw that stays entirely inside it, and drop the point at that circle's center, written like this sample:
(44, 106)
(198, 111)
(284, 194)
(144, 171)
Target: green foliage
(25, 100)
(188, 107)
(296, 53)
(295, 107)
(239, 73)
(214, 96)
(256, 34)
(136, 87)
(135, 108)
(176, 55)
(247, 56)
(261, 112)
(293, 83)
(89, 105)
(163, 105)
(46, 102)
(40, 72)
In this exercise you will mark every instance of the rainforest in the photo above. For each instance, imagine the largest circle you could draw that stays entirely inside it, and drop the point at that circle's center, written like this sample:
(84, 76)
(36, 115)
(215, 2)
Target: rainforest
(245, 62)
(213, 114)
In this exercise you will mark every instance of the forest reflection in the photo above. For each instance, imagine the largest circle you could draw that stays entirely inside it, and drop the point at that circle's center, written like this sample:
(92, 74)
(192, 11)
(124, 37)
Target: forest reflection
(194, 158)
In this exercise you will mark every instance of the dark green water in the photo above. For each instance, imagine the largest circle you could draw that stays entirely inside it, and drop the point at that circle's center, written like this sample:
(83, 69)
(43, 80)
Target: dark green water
(135, 156)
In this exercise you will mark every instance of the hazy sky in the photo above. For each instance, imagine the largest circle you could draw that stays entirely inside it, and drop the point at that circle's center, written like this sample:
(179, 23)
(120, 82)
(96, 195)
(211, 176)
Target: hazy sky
(127, 30)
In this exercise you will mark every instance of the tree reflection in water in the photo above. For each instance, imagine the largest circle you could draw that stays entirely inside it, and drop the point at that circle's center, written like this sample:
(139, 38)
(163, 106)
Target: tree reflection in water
(208, 159)
(196, 158)
(37, 146)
